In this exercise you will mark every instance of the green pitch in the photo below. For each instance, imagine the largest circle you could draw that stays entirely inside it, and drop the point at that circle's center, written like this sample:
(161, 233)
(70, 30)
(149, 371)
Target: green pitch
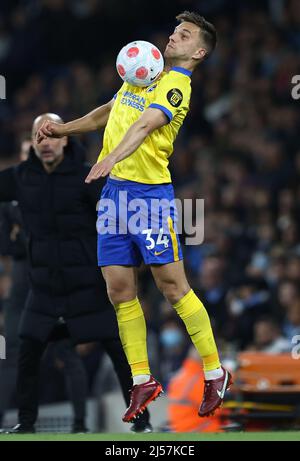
(236, 436)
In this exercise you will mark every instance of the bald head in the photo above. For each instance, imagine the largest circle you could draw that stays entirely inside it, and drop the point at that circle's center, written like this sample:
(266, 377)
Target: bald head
(50, 151)
(38, 121)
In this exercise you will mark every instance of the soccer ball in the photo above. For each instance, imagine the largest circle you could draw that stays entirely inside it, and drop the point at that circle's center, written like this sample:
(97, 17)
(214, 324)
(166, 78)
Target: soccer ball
(139, 63)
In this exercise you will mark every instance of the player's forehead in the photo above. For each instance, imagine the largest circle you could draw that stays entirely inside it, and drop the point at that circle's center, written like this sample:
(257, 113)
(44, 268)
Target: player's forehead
(188, 27)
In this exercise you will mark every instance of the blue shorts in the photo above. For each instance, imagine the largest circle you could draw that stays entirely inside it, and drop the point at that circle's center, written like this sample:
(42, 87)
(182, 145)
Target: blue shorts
(137, 222)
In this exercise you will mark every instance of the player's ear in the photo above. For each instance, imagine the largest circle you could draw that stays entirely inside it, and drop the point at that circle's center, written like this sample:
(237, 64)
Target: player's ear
(200, 54)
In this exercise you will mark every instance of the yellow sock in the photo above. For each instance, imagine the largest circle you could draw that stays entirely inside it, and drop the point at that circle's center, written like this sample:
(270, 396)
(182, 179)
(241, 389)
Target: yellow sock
(196, 319)
(133, 334)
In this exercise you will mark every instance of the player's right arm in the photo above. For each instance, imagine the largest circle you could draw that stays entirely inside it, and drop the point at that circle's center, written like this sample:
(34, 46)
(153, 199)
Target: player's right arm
(91, 122)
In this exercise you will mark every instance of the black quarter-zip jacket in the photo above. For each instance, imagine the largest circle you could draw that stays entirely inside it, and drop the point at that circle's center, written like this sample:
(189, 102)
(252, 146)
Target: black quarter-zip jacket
(59, 216)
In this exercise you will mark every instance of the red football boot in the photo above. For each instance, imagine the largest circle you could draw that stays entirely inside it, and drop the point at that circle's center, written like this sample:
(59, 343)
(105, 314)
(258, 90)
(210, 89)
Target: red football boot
(140, 397)
(214, 392)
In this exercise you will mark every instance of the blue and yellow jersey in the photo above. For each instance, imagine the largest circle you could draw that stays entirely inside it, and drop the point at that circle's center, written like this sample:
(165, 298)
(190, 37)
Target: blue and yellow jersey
(149, 163)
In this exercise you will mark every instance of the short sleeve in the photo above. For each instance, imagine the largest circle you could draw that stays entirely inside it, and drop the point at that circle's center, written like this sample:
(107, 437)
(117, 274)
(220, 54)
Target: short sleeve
(172, 95)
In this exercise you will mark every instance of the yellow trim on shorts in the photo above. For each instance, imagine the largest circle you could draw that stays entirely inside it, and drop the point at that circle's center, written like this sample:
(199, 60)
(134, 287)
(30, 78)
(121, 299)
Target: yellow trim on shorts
(173, 239)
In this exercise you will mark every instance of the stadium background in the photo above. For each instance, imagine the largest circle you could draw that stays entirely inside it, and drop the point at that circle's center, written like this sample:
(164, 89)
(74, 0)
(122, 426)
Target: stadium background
(239, 150)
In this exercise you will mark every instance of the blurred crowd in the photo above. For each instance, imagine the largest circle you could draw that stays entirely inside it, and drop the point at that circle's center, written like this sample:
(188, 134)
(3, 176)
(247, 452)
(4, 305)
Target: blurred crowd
(238, 150)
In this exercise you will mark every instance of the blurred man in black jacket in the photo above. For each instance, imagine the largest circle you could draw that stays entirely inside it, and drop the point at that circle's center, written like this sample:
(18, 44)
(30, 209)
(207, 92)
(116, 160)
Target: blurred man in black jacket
(13, 243)
(66, 292)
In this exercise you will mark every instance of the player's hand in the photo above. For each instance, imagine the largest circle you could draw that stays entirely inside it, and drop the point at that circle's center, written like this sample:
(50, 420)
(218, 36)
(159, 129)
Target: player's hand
(50, 129)
(101, 169)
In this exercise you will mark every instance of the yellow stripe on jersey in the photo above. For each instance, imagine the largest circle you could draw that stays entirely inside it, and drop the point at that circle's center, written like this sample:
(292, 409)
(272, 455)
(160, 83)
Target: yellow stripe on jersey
(149, 163)
(173, 239)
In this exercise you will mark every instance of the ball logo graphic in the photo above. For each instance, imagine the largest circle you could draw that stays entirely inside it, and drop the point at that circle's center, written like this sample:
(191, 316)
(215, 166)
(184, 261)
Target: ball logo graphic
(141, 73)
(156, 53)
(140, 63)
(132, 52)
(121, 70)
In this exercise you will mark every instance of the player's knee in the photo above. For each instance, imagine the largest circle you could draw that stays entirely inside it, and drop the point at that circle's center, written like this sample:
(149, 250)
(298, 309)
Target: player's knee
(120, 293)
(174, 291)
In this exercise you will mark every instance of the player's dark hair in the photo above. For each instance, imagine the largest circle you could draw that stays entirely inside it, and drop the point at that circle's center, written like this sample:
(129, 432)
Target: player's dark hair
(208, 30)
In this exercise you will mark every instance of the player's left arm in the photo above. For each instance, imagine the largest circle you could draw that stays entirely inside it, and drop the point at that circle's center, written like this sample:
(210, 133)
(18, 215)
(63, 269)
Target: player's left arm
(152, 119)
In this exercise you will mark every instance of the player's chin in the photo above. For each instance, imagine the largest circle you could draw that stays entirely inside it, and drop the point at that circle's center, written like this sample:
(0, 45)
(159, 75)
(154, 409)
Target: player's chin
(169, 54)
